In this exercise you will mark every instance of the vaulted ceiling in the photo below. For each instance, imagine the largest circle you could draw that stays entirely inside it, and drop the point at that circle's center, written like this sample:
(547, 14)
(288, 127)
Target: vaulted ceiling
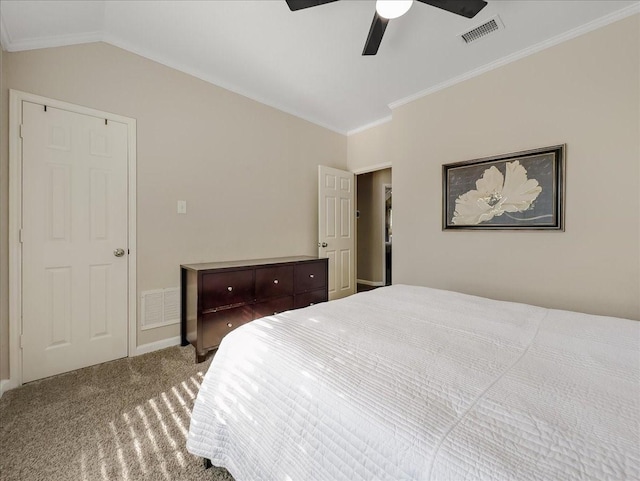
(309, 62)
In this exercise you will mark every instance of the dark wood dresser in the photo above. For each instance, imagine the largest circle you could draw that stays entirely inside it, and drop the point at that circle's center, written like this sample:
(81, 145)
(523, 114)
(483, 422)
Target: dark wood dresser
(217, 297)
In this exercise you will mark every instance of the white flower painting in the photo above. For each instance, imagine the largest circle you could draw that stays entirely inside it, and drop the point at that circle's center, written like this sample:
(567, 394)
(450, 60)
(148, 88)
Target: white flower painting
(497, 195)
(515, 191)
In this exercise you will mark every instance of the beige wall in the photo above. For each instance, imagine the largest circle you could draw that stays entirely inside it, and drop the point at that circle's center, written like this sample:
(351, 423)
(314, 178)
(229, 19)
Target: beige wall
(370, 224)
(371, 149)
(247, 171)
(585, 93)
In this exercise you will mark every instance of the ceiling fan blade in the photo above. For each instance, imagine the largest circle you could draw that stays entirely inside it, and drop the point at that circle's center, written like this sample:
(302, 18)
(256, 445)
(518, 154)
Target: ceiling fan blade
(466, 8)
(378, 26)
(300, 4)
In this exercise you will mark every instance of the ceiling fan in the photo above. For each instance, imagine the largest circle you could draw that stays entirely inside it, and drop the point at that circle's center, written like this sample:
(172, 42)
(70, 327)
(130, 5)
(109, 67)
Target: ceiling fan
(389, 9)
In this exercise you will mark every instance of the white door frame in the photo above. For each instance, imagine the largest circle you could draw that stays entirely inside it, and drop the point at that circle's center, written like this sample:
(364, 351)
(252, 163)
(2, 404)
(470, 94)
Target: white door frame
(384, 223)
(357, 172)
(16, 98)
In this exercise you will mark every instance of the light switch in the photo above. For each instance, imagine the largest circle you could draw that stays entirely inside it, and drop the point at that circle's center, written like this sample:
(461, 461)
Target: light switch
(182, 207)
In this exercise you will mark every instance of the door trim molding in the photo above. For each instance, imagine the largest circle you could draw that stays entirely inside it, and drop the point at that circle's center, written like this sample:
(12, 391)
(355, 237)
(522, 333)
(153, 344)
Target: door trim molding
(384, 231)
(372, 168)
(16, 98)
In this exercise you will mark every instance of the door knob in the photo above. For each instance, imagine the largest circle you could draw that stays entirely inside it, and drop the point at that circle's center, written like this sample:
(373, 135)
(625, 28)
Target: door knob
(322, 244)
(118, 252)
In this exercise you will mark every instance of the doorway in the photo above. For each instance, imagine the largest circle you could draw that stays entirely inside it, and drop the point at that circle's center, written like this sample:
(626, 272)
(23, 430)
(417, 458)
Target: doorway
(374, 229)
(388, 232)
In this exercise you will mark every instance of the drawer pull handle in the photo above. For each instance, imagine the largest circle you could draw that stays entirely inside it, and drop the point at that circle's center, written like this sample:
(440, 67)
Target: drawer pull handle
(229, 324)
(275, 281)
(311, 276)
(229, 288)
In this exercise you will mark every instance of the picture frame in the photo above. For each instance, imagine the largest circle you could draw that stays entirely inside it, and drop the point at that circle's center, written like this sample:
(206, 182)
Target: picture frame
(517, 191)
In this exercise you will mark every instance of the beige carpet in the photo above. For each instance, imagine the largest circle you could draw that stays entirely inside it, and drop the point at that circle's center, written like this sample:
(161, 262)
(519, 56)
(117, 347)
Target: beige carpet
(122, 420)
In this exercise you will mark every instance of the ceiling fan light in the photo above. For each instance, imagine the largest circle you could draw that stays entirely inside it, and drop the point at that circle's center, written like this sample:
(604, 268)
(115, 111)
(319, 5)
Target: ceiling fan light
(393, 8)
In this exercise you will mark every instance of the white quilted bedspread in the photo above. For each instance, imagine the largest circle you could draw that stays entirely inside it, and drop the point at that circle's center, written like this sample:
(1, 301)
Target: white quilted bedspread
(410, 383)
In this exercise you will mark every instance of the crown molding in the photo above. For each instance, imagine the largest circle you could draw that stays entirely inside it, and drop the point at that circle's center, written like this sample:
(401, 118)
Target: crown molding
(48, 42)
(576, 32)
(375, 123)
(167, 62)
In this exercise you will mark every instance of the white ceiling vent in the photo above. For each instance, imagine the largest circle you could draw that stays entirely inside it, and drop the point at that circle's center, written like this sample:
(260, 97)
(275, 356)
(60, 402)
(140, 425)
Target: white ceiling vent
(490, 26)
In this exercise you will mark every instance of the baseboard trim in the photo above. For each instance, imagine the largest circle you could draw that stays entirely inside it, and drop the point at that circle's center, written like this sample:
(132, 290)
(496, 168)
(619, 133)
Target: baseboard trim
(6, 385)
(156, 346)
(370, 283)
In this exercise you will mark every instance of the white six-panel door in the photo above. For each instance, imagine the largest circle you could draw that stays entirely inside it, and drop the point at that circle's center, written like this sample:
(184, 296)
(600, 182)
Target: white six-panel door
(336, 215)
(74, 207)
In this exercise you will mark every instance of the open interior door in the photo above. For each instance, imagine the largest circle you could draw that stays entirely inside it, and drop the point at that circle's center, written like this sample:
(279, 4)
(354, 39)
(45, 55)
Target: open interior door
(336, 229)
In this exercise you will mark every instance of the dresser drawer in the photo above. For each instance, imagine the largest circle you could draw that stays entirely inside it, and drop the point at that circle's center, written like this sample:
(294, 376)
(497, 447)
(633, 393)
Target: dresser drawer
(310, 298)
(310, 276)
(274, 282)
(217, 324)
(226, 289)
(274, 306)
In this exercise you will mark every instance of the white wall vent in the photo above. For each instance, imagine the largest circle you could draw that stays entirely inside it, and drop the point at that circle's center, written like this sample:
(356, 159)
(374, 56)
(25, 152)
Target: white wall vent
(490, 26)
(160, 307)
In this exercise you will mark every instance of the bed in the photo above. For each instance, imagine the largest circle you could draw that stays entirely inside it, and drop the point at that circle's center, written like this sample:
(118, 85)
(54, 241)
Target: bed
(412, 383)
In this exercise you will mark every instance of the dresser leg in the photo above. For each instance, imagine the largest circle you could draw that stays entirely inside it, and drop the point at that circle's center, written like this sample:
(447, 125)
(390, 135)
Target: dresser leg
(207, 463)
(183, 308)
(200, 357)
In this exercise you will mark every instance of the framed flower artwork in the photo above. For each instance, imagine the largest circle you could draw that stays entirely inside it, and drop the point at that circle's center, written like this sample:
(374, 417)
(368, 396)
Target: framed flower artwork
(522, 190)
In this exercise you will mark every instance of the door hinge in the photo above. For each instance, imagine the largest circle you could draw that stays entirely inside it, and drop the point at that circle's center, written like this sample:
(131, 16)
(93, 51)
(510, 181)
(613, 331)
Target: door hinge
(20, 236)
(21, 130)
(21, 343)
